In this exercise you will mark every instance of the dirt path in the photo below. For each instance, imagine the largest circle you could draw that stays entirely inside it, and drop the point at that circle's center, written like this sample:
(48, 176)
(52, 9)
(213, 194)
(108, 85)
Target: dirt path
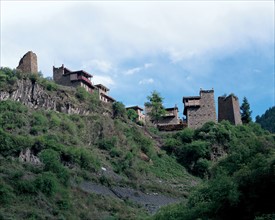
(151, 201)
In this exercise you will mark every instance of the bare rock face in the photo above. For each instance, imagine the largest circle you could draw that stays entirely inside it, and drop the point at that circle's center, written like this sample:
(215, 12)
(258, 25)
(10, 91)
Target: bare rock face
(27, 156)
(36, 96)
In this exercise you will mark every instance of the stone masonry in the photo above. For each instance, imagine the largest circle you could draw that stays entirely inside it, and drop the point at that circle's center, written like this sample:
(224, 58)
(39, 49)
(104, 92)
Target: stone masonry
(229, 109)
(28, 64)
(199, 109)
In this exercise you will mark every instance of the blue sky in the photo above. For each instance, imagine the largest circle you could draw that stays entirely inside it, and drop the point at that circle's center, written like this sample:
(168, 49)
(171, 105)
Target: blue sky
(135, 47)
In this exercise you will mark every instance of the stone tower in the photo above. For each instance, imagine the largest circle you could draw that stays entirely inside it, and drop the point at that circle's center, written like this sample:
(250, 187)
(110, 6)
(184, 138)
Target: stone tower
(229, 109)
(28, 64)
(199, 109)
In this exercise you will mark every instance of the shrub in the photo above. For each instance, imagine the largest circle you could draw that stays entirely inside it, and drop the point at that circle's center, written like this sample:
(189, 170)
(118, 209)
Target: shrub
(132, 115)
(119, 110)
(51, 160)
(81, 94)
(47, 183)
(6, 194)
(108, 144)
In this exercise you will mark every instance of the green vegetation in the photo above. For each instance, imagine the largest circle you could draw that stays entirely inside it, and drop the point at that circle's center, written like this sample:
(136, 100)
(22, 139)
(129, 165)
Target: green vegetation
(237, 163)
(267, 120)
(245, 111)
(232, 167)
(154, 104)
(72, 149)
(132, 115)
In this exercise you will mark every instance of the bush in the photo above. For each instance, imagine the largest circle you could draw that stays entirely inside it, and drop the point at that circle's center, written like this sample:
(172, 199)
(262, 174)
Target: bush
(119, 110)
(47, 183)
(6, 194)
(132, 115)
(108, 144)
(81, 93)
(51, 160)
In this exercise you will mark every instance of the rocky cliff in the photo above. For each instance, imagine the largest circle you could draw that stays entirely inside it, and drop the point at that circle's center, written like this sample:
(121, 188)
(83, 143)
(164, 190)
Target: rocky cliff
(36, 96)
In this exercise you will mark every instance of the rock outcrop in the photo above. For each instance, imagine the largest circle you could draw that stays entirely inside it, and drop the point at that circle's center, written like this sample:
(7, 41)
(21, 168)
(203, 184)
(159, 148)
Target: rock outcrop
(28, 156)
(36, 96)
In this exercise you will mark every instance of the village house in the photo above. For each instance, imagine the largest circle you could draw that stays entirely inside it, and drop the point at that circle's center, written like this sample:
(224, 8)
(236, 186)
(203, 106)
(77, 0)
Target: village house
(66, 77)
(139, 111)
(199, 109)
(103, 93)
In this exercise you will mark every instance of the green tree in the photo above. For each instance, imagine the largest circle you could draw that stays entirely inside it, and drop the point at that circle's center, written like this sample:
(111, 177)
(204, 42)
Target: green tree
(119, 110)
(132, 115)
(245, 111)
(267, 120)
(155, 107)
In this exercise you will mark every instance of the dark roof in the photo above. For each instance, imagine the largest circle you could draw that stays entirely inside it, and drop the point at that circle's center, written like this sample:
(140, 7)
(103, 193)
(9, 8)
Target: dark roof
(108, 97)
(135, 108)
(173, 108)
(190, 97)
(82, 72)
(102, 86)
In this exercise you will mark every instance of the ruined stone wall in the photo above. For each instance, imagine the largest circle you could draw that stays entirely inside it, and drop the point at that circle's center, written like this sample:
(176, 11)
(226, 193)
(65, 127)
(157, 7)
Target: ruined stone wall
(229, 109)
(197, 116)
(28, 64)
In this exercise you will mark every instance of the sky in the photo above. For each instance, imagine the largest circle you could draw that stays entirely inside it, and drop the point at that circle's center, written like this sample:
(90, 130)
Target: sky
(136, 47)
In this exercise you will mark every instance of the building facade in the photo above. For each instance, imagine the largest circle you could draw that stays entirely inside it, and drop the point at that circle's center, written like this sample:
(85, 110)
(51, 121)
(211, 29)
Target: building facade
(199, 109)
(103, 93)
(229, 109)
(139, 111)
(66, 77)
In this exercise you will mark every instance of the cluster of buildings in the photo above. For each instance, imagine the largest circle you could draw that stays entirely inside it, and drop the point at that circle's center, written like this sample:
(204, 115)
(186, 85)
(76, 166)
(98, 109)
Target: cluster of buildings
(63, 76)
(197, 109)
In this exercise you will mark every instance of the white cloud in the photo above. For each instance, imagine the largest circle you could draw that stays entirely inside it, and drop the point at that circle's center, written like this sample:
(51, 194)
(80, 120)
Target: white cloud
(100, 65)
(115, 31)
(132, 71)
(148, 65)
(146, 81)
(105, 80)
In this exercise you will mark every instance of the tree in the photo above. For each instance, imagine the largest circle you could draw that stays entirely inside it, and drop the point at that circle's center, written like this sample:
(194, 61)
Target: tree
(155, 107)
(267, 120)
(245, 111)
(132, 115)
(119, 110)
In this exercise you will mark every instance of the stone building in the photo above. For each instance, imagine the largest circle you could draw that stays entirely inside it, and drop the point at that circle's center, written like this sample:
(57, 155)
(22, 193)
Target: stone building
(199, 109)
(103, 93)
(139, 111)
(170, 117)
(66, 77)
(28, 63)
(229, 109)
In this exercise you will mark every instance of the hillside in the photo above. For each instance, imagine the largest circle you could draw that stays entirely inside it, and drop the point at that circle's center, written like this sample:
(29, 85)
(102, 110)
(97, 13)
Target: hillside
(62, 150)
(238, 167)
(66, 155)
(267, 120)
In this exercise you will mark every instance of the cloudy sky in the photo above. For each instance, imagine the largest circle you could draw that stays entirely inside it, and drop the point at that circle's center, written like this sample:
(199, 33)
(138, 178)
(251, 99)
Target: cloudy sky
(135, 47)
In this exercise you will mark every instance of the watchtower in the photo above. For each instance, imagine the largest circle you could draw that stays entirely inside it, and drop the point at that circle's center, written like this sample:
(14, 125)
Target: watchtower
(199, 109)
(28, 64)
(229, 109)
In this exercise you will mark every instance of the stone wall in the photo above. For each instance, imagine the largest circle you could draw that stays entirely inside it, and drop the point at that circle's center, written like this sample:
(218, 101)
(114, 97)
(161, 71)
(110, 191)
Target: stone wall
(28, 64)
(168, 120)
(197, 116)
(229, 109)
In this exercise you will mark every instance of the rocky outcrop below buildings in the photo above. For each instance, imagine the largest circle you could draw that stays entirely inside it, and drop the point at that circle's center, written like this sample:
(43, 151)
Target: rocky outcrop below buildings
(35, 96)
